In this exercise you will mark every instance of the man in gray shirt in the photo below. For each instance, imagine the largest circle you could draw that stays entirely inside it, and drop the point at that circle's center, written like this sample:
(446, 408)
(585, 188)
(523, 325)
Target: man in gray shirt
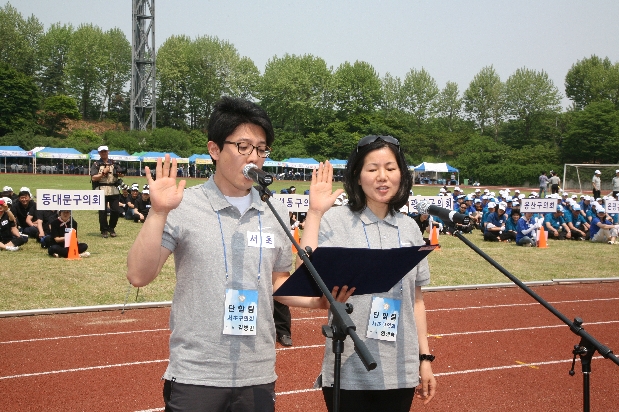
(230, 254)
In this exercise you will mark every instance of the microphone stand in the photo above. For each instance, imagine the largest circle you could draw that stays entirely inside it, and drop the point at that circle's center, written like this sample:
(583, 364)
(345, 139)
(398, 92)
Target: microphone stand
(341, 324)
(588, 344)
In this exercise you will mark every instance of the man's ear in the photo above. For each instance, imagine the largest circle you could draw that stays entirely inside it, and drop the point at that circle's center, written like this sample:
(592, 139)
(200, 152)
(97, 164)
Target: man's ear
(213, 150)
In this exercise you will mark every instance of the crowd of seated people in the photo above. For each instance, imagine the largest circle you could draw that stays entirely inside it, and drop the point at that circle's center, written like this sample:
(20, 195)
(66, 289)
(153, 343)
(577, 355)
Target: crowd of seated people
(498, 218)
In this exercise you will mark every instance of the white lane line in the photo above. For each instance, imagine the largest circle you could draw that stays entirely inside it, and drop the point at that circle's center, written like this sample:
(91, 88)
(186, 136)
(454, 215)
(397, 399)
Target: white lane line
(511, 305)
(517, 329)
(85, 336)
(88, 368)
(301, 347)
(520, 365)
(463, 372)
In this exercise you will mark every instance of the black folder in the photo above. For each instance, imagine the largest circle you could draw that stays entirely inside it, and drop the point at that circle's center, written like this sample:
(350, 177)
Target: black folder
(368, 270)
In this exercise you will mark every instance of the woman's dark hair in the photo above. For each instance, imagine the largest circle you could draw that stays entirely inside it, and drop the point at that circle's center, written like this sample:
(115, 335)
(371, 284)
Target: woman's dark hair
(356, 198)
(231, 112)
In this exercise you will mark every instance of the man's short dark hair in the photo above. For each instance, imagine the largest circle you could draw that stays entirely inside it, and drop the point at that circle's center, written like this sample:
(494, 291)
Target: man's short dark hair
(356, 198)
(231, 112)
(24, 193)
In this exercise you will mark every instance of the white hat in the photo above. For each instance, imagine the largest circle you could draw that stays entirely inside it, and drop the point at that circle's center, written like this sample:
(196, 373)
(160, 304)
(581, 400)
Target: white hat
(7, 200)
(597, 172)
(517, 191)
(491, 205)
(516, 204)
(102, 148)
(7, 189)
(146, 191)
(25, 189)
(521, 196)
(617, 171)
(457, 188)
(477, 190)
(574, 196)
(486, 191)
(441, 190)
(600, 209)
(501, 206)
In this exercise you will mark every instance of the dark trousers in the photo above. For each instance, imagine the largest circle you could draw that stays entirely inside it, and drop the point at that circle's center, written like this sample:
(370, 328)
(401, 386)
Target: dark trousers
(64, 251)
(181, 397)
(104, 226)
(597, 193)
(392, 400)
(282, 319)
(31, 231)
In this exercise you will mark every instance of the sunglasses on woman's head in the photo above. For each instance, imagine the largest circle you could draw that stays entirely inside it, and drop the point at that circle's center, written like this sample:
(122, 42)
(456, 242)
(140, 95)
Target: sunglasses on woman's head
(371, 139)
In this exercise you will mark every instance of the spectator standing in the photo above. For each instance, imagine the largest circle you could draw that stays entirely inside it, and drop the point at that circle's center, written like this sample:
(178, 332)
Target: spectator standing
(555, 183)
(543, 184)
(104, 175)
(616, 184)
(596, 184)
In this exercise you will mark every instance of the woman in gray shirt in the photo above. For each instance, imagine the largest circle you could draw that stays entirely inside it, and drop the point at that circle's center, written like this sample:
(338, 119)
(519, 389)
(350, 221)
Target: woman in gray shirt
(377, 182)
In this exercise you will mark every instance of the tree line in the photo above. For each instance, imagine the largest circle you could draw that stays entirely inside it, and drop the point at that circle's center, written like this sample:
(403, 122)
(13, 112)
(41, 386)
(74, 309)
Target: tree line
(499, 131)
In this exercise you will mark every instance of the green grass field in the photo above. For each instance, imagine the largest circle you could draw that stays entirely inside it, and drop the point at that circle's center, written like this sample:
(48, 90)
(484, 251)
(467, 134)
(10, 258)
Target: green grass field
(31, 279)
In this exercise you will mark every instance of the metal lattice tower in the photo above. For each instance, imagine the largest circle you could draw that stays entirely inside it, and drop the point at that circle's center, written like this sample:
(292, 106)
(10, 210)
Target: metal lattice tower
(143, 97)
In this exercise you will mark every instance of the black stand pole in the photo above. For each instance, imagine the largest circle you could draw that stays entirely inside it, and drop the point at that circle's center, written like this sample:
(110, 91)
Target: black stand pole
(588, 344)
(341, 324)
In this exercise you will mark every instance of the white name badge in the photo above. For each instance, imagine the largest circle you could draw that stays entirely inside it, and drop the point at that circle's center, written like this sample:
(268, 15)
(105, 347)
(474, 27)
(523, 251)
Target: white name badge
(240, 312)
(266, 240)
(384, 318)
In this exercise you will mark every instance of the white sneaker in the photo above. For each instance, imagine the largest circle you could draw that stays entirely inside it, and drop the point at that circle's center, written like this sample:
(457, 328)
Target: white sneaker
(12, 248)
(85, 254)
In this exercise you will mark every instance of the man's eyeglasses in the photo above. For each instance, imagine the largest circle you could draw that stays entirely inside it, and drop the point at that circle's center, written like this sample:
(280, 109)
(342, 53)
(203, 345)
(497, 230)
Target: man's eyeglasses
(371, 139)
(246, 149)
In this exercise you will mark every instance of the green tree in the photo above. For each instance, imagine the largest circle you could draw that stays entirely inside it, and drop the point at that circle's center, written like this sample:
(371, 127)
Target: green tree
(483, 100)
(173, 82)
(392, 94)
(592, 134)
(52, 59)
(592, 80)
(18, 39)
(449, 105)
(85, 60)
(165, 139)
(131, 141)
(116, 68)
(56, 111)
(357, 89)
(83, 140)
(20, 101)
(419, 95)
(529, 95)
(295, 91)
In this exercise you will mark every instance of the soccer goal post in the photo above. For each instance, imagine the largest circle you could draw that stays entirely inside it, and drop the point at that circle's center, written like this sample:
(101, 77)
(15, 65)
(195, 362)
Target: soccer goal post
(577, 177)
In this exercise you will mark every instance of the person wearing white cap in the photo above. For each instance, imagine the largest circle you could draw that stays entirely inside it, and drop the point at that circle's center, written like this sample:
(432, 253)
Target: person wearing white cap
(495, 223)
(10, 240)
(602, 228)
(105, 174)
(555, 225)
(596, 184)
(142, 207)
(576, 222)
(616, 184)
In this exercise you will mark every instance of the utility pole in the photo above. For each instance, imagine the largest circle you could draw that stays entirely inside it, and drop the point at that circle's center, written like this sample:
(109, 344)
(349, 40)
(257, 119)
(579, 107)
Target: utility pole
(143, 67)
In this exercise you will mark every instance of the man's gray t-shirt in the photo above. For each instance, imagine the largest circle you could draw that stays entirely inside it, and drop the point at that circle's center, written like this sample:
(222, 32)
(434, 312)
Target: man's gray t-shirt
(200, 354)
(398, 362)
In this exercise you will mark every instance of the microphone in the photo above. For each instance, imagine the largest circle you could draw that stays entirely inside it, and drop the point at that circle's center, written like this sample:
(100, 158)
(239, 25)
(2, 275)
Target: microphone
(425, 208)
(259, 176)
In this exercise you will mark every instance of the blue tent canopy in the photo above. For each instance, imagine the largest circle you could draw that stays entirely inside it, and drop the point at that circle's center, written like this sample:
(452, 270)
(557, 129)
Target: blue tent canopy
(194, 157)
(14, 151)
(435, 167)
(153, 156)
(338, 163)
(60, 153)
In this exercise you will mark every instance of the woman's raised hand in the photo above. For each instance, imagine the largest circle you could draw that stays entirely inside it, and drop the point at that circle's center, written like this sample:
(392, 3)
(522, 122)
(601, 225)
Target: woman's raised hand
(165, 195)
(321, 195)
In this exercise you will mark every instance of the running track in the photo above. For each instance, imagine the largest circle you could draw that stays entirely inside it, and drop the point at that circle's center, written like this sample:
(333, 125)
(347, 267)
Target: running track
(496, 349)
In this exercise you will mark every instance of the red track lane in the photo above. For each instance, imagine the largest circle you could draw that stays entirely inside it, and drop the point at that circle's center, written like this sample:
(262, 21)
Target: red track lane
(496, 350)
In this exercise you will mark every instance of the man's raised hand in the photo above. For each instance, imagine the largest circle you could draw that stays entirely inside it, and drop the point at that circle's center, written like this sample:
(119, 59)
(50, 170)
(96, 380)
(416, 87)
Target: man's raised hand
(165, 195)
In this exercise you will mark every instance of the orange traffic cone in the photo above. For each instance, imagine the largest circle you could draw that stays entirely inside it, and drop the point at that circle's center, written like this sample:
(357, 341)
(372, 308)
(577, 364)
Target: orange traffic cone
(541, 238)
(434, 237)
(73, 252)
(295, 234)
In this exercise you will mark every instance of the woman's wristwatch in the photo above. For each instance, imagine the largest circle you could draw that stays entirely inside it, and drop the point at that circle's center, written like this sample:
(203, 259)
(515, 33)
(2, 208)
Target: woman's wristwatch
(427, 357)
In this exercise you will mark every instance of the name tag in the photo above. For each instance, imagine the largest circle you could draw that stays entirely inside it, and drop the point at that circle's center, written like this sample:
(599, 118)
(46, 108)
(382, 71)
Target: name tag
(255, 239)
(240, 312)
(384, 318)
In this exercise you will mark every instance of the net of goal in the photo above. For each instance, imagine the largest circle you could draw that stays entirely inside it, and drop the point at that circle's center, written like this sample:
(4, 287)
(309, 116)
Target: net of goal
(577, 177)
